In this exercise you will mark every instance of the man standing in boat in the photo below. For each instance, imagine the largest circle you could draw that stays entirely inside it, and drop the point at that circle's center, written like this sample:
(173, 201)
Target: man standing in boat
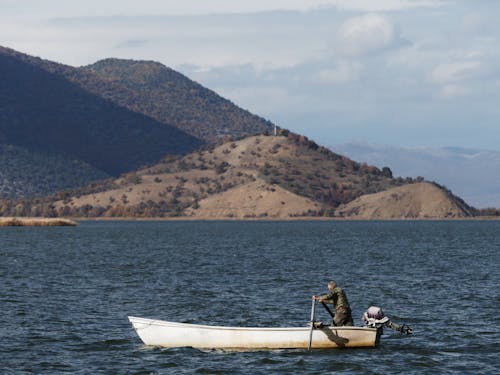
(338, 298)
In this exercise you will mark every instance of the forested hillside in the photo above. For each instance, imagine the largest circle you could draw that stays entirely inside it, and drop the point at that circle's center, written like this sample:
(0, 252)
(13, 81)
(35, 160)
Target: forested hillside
(25, 173)
(170, 97)
(44, 111)
(156, 91)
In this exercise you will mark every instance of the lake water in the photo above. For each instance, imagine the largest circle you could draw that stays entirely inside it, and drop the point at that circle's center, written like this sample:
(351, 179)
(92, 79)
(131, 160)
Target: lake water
(66, 293)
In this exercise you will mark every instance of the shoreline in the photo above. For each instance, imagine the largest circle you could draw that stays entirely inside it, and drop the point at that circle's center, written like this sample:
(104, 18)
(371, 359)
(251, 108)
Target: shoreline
(73, 221)
(36, 222)
(301, 218)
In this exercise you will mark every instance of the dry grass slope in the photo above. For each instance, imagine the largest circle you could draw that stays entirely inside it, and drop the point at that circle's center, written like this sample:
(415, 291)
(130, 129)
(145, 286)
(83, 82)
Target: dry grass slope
(256, 177)
(414, 201)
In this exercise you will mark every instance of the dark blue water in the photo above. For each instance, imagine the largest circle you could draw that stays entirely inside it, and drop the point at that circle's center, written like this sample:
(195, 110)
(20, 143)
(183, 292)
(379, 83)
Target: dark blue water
(66, 293)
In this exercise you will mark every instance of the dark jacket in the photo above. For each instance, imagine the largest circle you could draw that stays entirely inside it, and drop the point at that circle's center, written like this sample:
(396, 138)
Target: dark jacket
(337, 297)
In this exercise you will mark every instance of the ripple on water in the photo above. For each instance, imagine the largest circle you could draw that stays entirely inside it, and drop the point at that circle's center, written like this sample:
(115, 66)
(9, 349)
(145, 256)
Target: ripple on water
(66, 294)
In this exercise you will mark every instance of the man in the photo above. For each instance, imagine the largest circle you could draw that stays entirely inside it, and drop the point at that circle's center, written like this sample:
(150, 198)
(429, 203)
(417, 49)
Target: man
(338, 298)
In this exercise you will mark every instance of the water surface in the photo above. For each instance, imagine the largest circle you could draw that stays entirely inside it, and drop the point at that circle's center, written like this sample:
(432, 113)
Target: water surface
(66, 293)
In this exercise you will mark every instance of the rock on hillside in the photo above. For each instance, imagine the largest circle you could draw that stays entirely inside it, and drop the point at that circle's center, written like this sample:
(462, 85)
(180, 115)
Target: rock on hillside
(415, 201)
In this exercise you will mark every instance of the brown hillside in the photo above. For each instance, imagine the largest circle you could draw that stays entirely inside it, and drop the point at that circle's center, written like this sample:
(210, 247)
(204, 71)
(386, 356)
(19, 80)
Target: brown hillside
(259, 176)
(254, 200)
(416, 201)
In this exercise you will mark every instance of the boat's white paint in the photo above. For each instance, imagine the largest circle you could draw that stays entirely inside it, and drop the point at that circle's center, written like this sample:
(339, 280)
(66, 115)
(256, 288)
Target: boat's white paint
(171, 334)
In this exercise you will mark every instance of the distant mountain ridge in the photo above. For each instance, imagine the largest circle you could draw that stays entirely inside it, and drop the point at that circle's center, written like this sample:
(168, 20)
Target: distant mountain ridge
(470, 173)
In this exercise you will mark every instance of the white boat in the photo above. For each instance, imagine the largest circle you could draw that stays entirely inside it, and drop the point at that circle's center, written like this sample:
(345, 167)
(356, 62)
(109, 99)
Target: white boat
(170, 335)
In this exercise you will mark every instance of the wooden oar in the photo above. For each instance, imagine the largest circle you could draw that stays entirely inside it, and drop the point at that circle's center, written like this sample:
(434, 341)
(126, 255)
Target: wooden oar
(312, 324)
(328, 309)
(329, 312)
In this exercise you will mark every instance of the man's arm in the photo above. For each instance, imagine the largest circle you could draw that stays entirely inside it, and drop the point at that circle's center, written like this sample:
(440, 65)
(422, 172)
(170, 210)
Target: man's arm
(324, 298)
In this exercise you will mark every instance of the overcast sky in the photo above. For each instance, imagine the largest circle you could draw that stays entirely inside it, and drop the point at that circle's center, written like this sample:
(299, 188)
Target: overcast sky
(396, 72)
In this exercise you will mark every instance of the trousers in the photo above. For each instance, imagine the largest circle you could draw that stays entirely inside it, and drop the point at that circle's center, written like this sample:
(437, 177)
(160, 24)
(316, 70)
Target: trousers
(343, 317)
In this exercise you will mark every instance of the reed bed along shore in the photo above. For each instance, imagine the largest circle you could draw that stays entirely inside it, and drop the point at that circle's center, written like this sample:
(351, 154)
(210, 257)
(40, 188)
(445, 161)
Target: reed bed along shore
(35, 222)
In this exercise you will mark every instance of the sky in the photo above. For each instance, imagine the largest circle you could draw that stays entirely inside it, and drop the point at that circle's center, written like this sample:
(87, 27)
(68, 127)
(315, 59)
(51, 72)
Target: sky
(407, 73)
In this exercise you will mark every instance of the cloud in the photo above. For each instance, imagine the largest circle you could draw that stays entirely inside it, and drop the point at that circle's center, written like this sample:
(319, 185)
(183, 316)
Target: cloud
(133, 43)
(454, 72)
(366, 34)
(206, 7)
(269, 35)
(268, 100)
(384, 5)
(343, 72)
(267, 41)
(452, 90)
(454, 77)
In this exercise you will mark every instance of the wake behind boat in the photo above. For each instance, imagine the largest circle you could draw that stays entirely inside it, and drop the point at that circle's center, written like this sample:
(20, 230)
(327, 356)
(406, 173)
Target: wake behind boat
(170, 335)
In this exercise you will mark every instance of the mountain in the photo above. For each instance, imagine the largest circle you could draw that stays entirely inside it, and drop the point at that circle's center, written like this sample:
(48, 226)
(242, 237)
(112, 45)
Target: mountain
(62, 127)
(256, 177)
(101, 120)
(470, 173)
(43, 111)
(169, 97)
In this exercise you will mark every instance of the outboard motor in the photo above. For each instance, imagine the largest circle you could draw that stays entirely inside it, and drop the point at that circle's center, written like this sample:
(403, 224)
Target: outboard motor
(374, 317)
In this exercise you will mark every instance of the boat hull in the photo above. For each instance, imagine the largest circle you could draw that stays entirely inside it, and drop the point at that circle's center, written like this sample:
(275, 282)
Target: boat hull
(170, 335)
